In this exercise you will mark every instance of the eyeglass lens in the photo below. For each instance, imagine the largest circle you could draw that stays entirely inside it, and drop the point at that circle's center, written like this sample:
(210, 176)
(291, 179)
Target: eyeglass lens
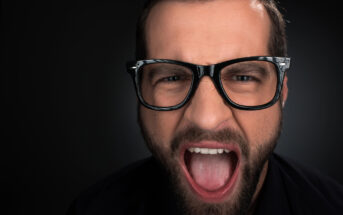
(250, 83)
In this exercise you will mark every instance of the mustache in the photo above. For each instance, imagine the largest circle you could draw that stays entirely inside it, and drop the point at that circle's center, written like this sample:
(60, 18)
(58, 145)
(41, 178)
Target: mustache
(196, 134)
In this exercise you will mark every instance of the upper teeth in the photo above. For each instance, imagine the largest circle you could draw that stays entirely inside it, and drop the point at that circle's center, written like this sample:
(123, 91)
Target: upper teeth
(208, 151)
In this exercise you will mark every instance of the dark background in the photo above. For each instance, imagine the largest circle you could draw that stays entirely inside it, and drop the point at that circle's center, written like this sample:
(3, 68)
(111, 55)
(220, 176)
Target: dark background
(69, 108)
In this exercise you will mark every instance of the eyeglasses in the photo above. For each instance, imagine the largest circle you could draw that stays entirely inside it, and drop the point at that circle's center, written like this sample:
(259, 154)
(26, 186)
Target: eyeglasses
(249, 83)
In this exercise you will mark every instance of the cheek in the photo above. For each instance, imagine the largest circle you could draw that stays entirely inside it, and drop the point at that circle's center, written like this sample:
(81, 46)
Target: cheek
(161, 125)
(260, 127)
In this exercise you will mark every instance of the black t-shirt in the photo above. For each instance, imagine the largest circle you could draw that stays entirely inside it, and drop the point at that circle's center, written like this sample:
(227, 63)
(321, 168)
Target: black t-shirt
(143, 188)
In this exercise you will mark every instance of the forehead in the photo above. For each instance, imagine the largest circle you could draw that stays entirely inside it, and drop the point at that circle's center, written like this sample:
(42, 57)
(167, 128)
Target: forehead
(206, 32)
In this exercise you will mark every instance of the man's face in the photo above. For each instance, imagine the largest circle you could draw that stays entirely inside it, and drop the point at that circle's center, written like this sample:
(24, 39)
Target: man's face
(207, 33)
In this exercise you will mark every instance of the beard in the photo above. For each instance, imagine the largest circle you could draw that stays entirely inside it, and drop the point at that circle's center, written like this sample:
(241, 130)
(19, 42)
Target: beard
(240, 200)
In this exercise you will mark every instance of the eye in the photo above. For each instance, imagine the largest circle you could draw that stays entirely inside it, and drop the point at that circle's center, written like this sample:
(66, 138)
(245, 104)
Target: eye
(171, 78)
(242, 78)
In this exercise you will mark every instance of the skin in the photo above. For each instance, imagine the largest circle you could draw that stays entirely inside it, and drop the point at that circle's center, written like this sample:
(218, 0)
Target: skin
(207, 33)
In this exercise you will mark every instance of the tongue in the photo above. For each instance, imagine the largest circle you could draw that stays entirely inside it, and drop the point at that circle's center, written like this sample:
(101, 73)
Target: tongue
(211, 172)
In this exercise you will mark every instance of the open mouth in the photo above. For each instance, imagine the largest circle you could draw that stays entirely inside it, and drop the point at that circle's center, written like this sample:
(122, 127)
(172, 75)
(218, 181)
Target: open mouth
(211, 168)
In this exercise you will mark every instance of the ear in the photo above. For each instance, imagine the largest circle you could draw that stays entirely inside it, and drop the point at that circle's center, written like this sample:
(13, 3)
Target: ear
(284, 92)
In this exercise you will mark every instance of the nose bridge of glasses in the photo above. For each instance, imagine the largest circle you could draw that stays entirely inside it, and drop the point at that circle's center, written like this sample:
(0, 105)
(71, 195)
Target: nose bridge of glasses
(209, 70)
(205, 70)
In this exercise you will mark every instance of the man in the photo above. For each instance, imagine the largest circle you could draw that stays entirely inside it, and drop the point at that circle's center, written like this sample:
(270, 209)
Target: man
(211, 81)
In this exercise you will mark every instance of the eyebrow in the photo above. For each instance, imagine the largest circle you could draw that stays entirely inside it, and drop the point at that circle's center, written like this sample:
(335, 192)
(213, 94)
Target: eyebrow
(161, 69)
(236, 68)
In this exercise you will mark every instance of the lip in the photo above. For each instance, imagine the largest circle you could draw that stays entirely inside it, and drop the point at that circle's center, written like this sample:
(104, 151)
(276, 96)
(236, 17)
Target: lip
(205, 195)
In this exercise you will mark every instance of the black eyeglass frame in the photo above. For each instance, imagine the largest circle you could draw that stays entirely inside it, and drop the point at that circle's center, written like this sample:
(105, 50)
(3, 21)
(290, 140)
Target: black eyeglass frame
(213, 71)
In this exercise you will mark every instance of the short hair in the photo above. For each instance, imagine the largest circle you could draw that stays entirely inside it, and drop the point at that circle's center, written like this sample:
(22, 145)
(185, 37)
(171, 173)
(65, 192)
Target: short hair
(277, 45)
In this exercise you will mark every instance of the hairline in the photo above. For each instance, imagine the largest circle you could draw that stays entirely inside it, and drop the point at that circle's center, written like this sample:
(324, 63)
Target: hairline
(276, 26)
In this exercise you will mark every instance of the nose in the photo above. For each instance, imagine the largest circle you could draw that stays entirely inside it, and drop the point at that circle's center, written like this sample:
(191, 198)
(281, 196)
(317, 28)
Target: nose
(207, 109)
